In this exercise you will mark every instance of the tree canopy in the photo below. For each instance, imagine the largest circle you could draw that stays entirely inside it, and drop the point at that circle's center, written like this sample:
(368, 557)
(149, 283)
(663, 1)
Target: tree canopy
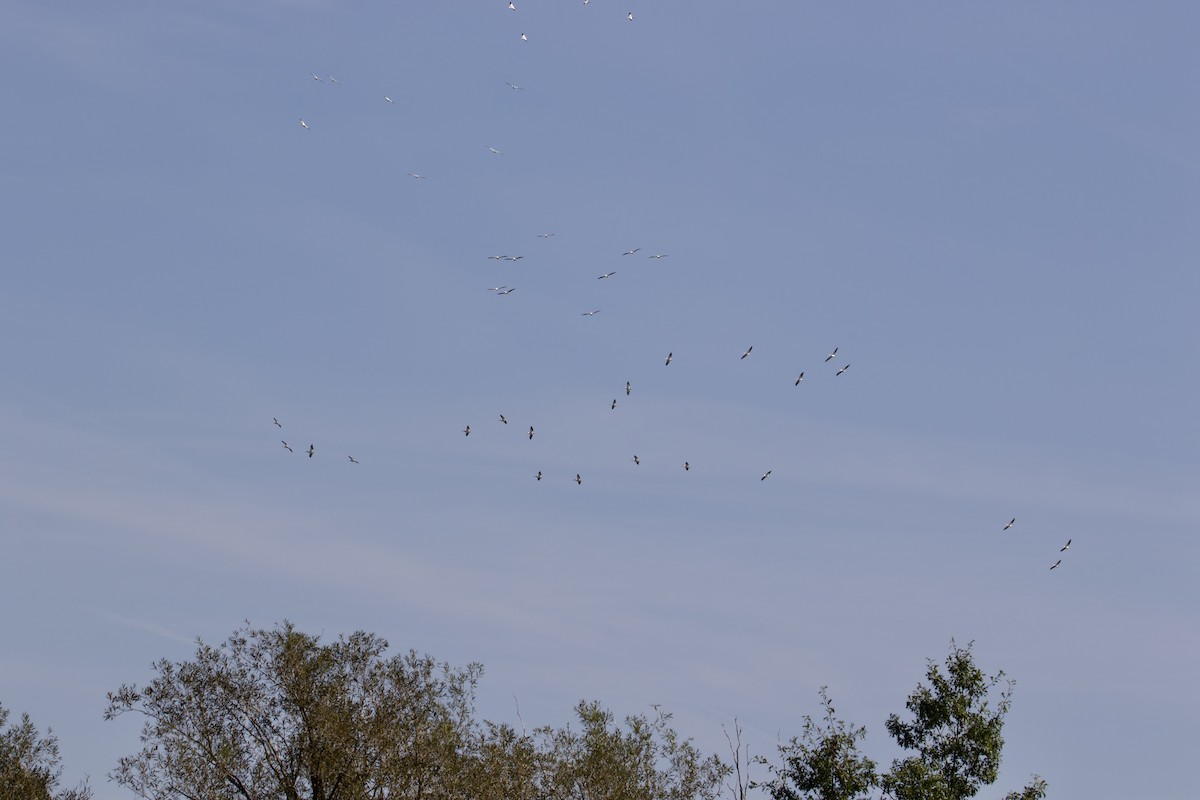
(276, 715)
(279, 715)
(30, 765)
(954, 738)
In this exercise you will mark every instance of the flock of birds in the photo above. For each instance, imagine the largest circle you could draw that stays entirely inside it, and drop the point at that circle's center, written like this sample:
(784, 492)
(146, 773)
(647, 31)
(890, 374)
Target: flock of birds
(506, 290)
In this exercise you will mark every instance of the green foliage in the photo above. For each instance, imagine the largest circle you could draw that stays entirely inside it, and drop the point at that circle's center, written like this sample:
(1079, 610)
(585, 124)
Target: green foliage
(824, 762)
(276, 715)
(646, 760)
(955, 731)
(954, 736)
(30, 765)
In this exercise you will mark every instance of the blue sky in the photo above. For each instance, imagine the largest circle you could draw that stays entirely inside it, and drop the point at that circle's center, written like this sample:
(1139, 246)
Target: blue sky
(991, 210)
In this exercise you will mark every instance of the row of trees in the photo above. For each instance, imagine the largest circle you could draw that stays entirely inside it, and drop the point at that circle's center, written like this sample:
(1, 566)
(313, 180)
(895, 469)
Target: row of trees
(277, 715)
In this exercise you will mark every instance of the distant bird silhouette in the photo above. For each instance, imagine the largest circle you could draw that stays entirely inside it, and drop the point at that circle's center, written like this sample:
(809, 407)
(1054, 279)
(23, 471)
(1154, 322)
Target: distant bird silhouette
(766, 475)
(631, 252)
(636, 460)
(606, 275)
(502, 419)
(628, 388)
(390, 100)
(614, 404)
(686, 466)
(799, 378)
(631, 16)
(1065, 547)
(829, 357)
(843, 369)
(590, 313)
(578, 479)
(277, 425)
(467, 431)
(1056, 563)
(1011, 522)
(311, 450)
(288, 447)
(546, 235)
(669, 357)
(416, 176)
(303, 124)
(495, 151)
(513, 86)
(524, 38)
(531, 432)
(353, 460)
(659, 255)
(748, 349)
(315, 78)
(539, 475)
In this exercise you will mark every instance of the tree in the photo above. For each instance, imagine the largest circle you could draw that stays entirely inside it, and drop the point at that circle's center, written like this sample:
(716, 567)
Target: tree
(824, 762)
(30, 765)
(956, 734)
(647, 760)
(276, 714)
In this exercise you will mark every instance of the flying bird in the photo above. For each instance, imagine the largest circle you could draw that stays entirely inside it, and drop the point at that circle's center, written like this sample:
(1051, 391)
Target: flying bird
(512, 7)
(502, 419)
(496, 258)
(315, 78)
(578, 479)
(497, 289)
(606, 275)
(628, 388)
(831, 355)
(513, 258)
(277, 425)
(287, 447)
(418, 177)
(1065, 547)
(631, 16)
(334, 80)
(524, 38)
(1011, 522)
(546, 235)
(353, 460)
(303, 124)
(686, 466)
(766, 475)
(799, 378)
(513, 86)
(467, 431)
(748, 349)
(1056, 563)
(660, 255)
(636, 460)
(538, 476)
(843, 369)
(390, 100)
(311, 450)
(590, 313)
(669, 357)
(614, 405)
(531, 432)
(631, 252)
(509, 290)
(495, 151)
